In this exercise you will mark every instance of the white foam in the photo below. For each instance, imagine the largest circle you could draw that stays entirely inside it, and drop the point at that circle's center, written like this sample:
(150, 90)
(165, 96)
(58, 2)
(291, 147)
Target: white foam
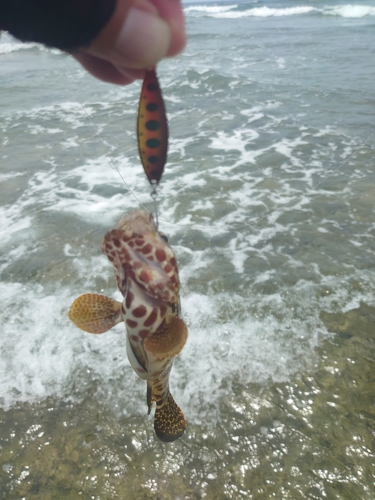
(234, 12)
(350, 11)
(262, 12)
(209, 8)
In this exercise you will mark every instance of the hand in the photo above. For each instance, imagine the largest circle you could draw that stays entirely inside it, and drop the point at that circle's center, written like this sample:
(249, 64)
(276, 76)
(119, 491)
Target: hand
(139, 34)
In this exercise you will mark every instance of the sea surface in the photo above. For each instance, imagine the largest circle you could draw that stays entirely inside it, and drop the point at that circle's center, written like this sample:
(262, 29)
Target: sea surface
(268, 201)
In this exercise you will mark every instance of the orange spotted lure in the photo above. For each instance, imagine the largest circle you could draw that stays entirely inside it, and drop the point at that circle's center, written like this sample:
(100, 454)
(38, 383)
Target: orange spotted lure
(152, 128)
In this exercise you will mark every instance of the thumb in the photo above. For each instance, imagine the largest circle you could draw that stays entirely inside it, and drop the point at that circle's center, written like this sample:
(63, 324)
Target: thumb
(140, 34)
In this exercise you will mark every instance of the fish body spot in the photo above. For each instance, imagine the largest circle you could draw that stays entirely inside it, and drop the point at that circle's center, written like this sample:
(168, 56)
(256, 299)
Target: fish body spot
(131, 323)
(168, 268)
(160, 255)
(152, 318)
(146, 249)
(129, 300)
(144, 276)
(143, 333)
(140, 311)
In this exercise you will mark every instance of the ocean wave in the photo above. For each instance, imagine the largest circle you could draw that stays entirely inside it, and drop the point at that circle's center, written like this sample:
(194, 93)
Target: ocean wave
(350, 11)
(210, 8)
(233, 11)
(236, 11)
(8, 44)
(8, 47)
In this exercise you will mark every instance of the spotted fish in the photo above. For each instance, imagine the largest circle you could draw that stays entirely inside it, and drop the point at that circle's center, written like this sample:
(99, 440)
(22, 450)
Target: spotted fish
(147, 276)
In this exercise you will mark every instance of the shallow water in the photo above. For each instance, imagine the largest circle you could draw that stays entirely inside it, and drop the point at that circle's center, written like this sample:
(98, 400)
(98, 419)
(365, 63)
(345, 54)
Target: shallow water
(311, 437)
(268, 202)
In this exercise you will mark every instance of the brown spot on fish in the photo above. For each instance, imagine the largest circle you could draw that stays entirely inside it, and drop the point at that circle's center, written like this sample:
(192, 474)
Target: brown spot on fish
(134, 338)
(151, 319)
(168, 268)
(139, 311)
(131, 323)
(116, 242)
(129, 300)
(146, 249)
(143, 333)
(160, 255)
(145, 276)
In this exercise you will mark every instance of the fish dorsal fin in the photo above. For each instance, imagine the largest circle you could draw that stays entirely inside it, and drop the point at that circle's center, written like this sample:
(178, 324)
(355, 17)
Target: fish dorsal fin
(168, 339)
(95, 313)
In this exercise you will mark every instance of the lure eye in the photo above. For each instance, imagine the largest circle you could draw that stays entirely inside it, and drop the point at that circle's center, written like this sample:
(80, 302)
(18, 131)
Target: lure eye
(164, 236)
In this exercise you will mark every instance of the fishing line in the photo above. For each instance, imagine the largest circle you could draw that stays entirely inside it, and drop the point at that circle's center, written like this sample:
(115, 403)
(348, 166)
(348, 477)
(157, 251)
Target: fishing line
(97, 132)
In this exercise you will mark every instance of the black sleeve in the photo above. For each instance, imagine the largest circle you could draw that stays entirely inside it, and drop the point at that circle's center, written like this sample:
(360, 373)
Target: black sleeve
(65, 24)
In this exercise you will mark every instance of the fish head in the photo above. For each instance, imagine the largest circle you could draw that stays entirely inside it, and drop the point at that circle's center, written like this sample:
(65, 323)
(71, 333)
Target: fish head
(140, 254)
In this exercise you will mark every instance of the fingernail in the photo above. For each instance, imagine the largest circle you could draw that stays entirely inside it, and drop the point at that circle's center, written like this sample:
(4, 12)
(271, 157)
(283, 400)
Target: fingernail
(144, 39)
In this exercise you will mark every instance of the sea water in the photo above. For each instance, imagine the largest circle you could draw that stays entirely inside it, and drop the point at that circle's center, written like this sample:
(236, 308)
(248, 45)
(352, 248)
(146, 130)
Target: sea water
(268, 201)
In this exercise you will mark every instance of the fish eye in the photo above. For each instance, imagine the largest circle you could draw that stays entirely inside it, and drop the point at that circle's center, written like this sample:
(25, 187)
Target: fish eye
(164, 236)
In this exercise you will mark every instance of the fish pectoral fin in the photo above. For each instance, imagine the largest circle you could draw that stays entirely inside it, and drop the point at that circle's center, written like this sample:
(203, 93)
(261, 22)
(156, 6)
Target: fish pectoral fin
(168, 339)
(169, 421)
(95, 313)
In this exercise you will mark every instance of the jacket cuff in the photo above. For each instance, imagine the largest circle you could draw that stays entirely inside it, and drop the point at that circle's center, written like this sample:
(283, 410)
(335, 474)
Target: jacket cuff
(64, 24)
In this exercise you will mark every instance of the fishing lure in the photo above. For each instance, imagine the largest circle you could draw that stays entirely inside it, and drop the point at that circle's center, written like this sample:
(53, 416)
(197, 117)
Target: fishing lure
(152, 128)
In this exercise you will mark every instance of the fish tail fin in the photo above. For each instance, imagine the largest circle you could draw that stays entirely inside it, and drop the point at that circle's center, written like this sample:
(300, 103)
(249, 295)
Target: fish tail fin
(95, 313)
(169, 421)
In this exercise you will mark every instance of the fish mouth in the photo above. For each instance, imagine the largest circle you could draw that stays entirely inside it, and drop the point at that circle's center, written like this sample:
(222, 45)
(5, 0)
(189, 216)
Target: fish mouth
(139, 221)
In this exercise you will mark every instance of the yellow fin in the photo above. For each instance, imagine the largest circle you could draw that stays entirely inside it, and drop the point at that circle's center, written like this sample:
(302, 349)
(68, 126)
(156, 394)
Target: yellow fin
(169, 338)
(95, 313)
(169, 421)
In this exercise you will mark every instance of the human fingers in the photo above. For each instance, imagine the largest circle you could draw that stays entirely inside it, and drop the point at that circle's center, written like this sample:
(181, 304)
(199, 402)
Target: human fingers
(171, 11)
(103, 70)
(138, 37)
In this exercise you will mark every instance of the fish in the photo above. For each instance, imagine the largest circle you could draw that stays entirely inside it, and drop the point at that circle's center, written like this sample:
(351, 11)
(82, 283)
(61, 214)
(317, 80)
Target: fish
(152, 128)
(147, 277)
